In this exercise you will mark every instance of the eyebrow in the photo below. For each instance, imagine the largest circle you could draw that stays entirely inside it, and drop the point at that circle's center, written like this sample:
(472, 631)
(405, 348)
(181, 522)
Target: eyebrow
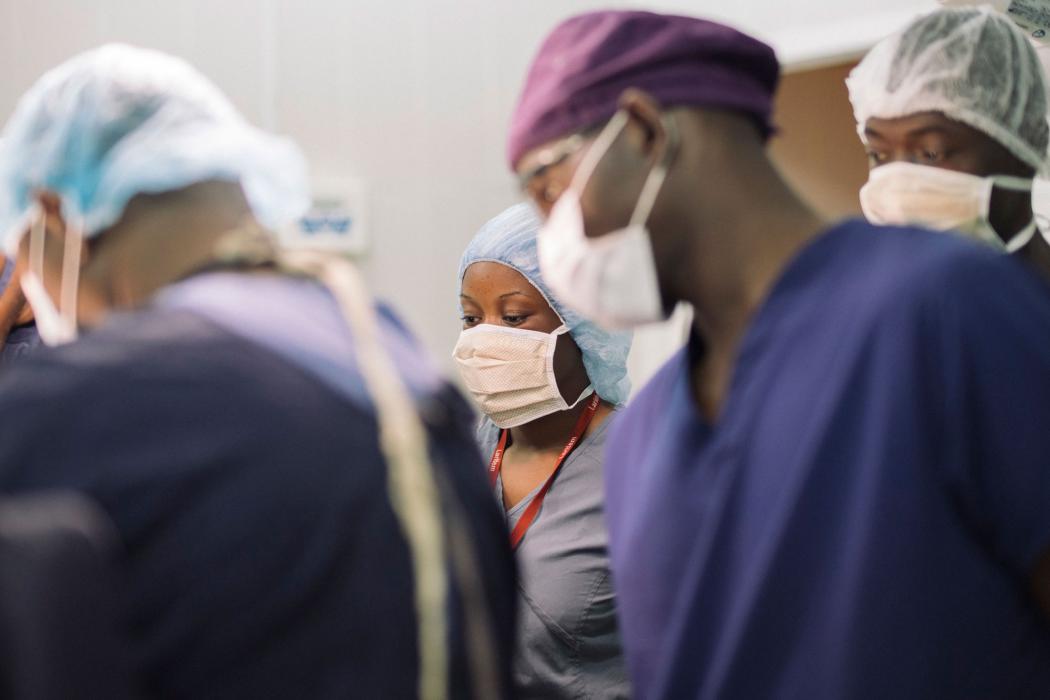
(501, 296)
(921, 131)
(932, 129)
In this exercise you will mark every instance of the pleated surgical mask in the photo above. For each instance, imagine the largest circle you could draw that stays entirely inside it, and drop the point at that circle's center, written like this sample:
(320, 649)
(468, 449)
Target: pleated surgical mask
(611, 280)
(510, 373)
(909, 194)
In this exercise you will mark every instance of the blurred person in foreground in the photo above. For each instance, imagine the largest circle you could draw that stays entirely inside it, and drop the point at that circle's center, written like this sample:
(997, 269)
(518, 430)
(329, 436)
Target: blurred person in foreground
(302, 510)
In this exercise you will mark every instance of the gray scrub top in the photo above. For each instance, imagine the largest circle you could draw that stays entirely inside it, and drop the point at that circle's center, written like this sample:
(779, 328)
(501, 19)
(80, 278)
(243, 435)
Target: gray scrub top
(568, 641)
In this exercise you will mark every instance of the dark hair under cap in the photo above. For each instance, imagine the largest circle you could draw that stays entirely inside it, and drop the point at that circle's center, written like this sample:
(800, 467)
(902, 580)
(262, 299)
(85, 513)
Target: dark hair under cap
(587, 62)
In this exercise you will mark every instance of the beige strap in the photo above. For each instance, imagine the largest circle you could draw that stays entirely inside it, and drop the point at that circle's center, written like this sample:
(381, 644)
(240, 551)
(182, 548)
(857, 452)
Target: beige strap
(411, 483)
(402, 438)
(67, 298)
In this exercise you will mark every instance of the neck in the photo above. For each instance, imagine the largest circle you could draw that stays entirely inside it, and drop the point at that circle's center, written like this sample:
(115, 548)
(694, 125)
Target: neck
(738, 230)
(162, 238)
(550, 432)
(737, 247)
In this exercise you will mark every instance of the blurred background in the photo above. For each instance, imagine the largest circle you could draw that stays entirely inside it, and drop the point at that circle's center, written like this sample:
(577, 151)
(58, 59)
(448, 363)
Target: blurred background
(401, 108)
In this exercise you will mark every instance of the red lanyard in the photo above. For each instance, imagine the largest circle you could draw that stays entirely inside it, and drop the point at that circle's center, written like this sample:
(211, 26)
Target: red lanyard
(525, 521)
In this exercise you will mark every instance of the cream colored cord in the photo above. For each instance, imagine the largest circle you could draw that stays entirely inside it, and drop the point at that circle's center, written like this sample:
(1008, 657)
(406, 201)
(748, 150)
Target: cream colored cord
(411, 480)
(403, 441)
(481, 649)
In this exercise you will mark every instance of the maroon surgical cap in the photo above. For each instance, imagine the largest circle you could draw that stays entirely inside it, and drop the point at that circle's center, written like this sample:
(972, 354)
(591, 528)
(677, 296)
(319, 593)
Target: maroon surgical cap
(587, 62)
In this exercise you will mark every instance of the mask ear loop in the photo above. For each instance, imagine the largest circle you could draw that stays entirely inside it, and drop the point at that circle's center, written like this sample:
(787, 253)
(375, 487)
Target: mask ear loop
(1022, 237)
(55, 327)
(1012, 182)
(598, 149)
(655, 181)
(67, 304)
(36, 243)
(1015, 184)
(561, 330)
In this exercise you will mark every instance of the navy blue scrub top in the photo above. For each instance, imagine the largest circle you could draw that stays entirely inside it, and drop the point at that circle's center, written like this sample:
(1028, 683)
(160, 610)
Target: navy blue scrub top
(862, 520)
(263, 558)
(21, 340)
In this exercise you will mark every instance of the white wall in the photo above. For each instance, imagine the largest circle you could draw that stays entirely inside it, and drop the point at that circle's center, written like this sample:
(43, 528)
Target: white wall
(413, 96)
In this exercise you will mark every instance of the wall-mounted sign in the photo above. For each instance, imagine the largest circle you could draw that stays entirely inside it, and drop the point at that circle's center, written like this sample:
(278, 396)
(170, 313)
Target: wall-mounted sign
(336, 221)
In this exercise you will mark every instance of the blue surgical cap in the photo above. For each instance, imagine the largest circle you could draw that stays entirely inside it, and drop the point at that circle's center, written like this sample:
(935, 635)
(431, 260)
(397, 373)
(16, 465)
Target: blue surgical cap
(510, 239)
(118, 121)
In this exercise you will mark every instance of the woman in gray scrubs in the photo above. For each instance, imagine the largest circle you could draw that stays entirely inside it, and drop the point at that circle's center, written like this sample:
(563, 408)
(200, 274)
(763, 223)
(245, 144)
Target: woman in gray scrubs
(548, 382)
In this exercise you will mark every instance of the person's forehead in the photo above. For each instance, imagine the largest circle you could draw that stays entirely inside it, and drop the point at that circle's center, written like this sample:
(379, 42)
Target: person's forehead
(921, 123)
(496, 278)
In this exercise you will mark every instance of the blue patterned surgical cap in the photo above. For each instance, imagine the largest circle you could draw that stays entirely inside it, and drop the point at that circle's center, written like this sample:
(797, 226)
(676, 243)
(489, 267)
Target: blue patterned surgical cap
(118, 121)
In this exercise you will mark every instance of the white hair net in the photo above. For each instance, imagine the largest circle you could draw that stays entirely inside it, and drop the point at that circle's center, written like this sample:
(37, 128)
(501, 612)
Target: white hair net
(510, 239)
(972, 65)
(117, 121)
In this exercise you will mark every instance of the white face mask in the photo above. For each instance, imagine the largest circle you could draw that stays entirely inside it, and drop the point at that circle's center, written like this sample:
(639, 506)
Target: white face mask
(611, 279)
(510, 373)
(56, 326)
(903, 194)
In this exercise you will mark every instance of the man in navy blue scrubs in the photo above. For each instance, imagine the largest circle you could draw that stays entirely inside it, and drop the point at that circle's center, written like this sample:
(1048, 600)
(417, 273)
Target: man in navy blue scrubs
(301, 508)
(841, 487)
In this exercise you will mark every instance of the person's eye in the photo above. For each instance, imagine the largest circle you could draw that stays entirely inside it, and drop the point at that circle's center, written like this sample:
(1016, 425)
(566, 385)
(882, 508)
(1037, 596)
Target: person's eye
(512, 320)
(930, 156)
(540, 173)
(469, 321)
(876, 158)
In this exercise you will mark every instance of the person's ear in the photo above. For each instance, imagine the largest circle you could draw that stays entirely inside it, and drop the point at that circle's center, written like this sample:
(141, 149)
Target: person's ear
(51, 204)
(646, 116)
